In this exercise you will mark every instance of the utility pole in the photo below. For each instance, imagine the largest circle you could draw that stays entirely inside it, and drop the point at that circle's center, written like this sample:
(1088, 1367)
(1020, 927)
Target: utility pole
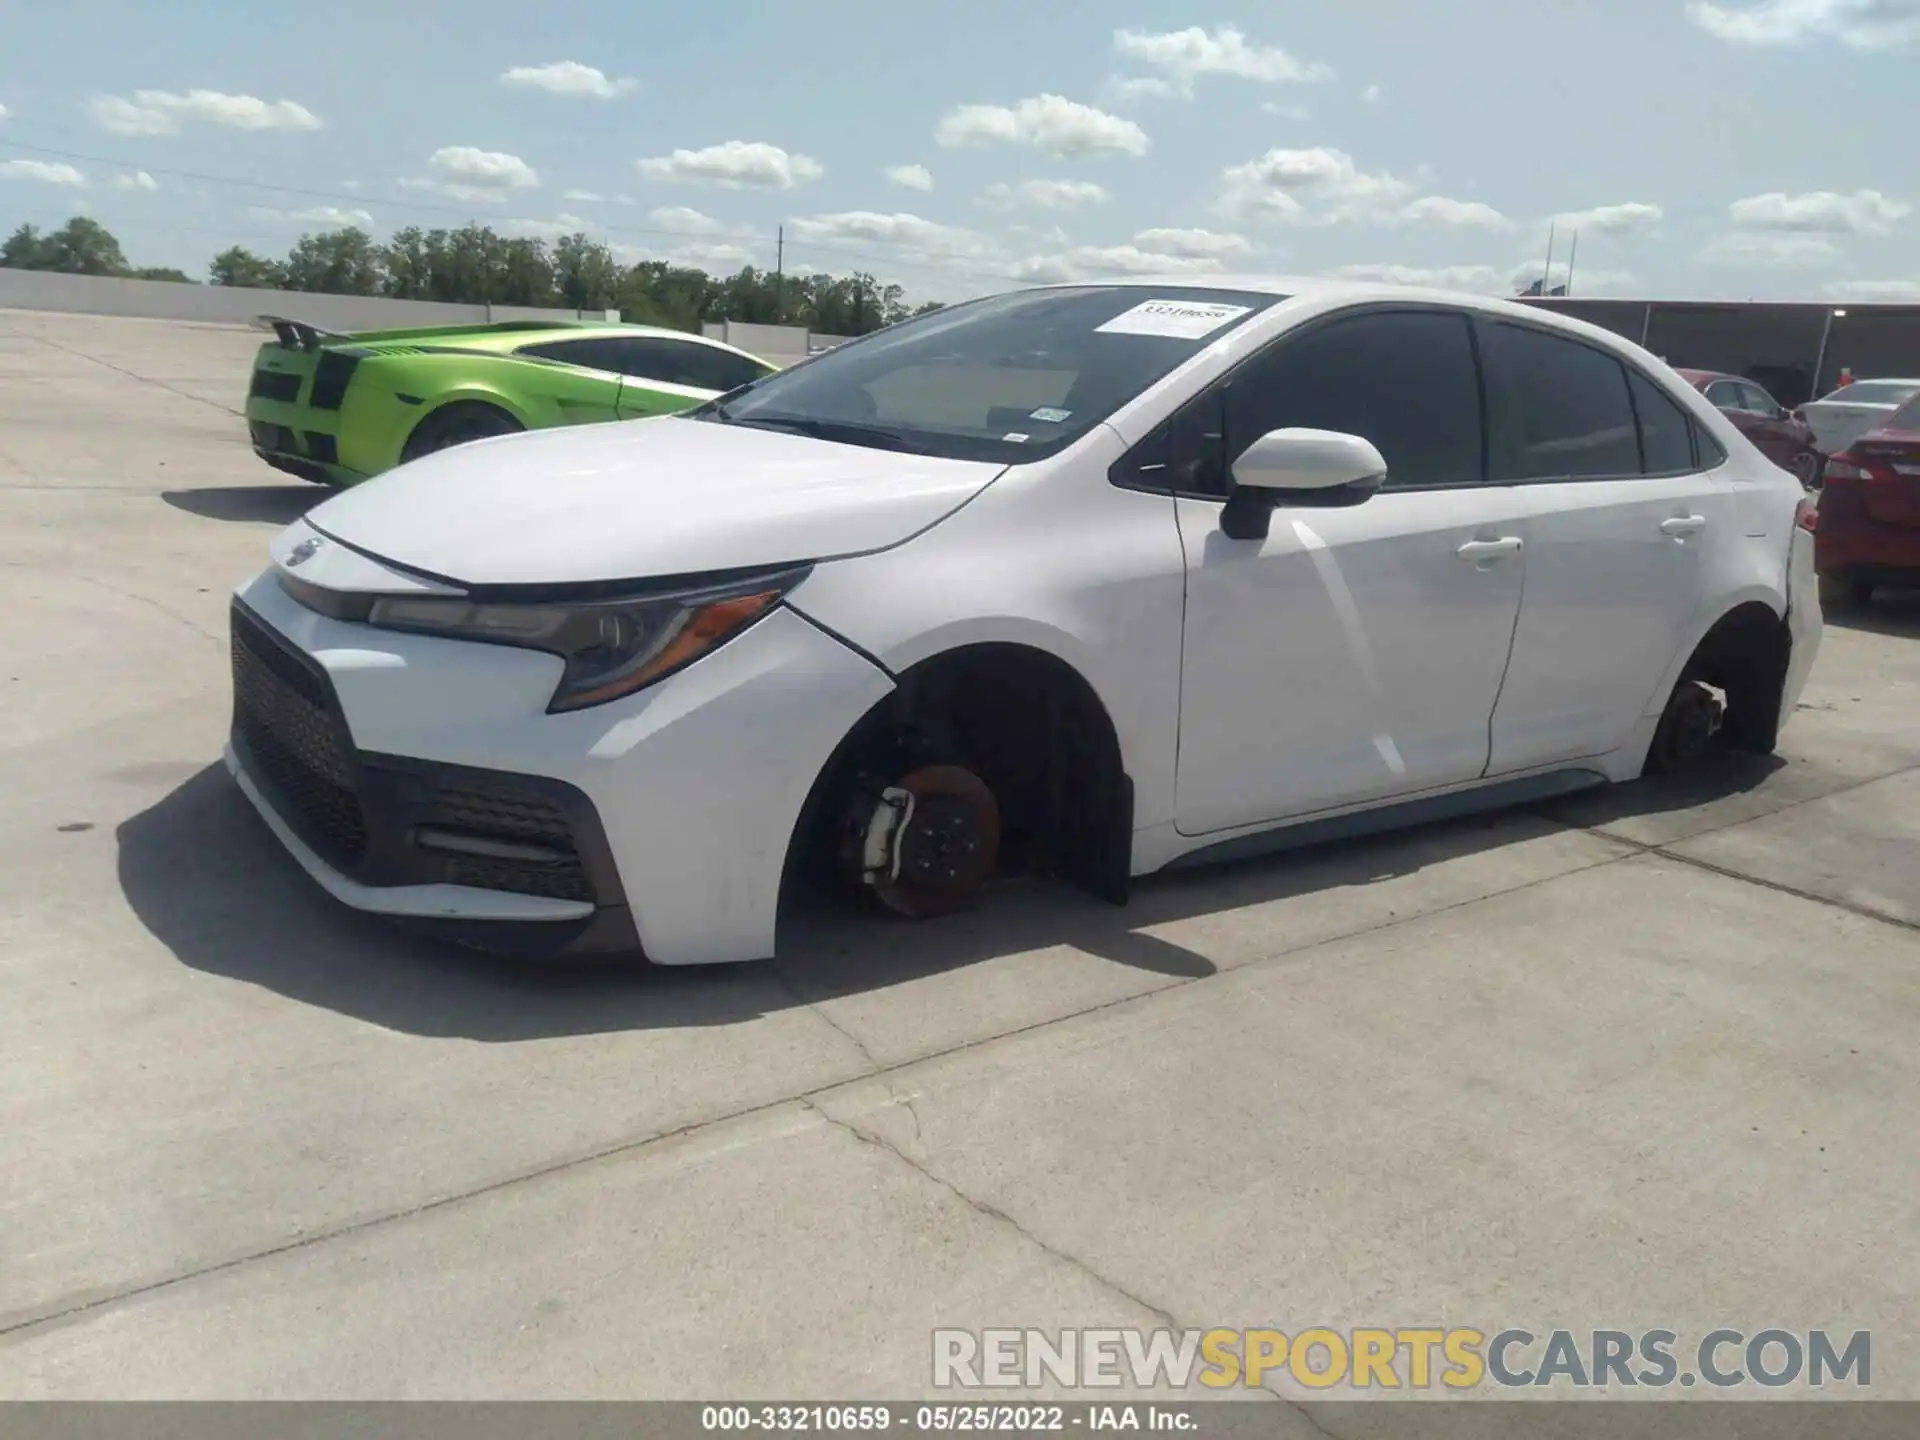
(1572, 256)
(1546, 274)
(780, 275)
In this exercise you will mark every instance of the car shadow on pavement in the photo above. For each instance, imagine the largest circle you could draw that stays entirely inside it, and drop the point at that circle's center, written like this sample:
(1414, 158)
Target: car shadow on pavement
(1718, 777)
(1890, 612)
(259, 504)
(207, 879)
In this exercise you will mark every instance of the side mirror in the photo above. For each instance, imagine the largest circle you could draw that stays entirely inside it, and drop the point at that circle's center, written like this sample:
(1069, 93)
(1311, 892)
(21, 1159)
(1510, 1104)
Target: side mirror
(1317, 469)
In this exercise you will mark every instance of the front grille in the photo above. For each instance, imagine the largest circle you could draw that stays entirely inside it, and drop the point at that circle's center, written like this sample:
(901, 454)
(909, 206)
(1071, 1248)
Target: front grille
(330, 379)
(500, 810)
(280, 709)
(324, 448)
(272, 385)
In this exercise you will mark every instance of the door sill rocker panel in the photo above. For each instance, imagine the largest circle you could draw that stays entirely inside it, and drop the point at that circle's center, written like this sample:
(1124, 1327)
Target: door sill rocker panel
(1395, 815)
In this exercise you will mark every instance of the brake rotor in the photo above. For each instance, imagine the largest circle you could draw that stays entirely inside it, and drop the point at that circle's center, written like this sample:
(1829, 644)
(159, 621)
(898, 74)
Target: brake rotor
(933, 841)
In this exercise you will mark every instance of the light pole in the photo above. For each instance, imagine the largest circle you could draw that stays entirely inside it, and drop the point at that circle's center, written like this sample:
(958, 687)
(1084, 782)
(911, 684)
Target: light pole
(1820, 360)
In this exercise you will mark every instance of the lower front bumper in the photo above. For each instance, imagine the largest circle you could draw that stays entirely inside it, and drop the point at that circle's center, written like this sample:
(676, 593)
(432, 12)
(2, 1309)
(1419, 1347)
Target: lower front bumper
(535, 926)
(678, 802)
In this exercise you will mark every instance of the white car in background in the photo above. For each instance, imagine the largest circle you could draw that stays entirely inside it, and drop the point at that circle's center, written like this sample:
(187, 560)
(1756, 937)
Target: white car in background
(1839, 419)
(1087, 580)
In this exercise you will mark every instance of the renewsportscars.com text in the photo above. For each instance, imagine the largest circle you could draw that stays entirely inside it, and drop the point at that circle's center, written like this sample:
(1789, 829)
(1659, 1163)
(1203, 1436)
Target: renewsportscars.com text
(1400, 1358)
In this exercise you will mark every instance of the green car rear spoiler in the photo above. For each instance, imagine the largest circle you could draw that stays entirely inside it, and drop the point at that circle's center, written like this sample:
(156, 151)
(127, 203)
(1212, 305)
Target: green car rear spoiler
(296, 334)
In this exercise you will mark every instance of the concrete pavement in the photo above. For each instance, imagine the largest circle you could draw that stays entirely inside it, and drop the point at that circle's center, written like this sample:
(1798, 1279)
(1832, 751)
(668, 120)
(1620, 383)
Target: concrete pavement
(1641, 1059)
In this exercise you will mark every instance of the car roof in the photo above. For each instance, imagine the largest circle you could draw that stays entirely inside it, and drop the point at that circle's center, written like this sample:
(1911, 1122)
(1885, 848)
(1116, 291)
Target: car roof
(1707, 377)
(1840, 390)
(1308, 288)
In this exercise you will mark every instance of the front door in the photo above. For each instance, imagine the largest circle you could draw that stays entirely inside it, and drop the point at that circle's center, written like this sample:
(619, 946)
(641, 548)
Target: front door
(1620, 516)
(1354, 654)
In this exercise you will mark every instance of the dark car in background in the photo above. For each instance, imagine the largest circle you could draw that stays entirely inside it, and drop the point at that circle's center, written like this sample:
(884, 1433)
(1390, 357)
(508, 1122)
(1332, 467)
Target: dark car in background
(1778, 433)
(1867, 532)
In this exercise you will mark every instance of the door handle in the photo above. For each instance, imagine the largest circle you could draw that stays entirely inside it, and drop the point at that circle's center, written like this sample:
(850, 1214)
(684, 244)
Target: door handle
(1477, 550)
(1683, 525)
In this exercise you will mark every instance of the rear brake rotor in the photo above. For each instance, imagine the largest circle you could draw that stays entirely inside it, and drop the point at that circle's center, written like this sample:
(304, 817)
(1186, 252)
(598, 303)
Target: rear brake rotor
(933, 841)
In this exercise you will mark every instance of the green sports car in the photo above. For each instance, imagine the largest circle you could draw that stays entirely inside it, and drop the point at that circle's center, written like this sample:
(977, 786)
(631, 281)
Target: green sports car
(336, 409)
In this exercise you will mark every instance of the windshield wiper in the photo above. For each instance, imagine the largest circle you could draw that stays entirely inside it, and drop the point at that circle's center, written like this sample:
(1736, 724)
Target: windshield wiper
(849, 432)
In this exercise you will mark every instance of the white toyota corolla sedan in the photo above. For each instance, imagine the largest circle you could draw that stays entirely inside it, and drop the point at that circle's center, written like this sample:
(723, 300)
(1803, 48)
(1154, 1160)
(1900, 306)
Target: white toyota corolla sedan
(1083, 581)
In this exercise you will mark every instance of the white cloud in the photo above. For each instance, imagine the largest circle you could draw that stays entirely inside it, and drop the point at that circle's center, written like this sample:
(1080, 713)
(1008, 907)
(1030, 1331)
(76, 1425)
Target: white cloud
(138, 180)
(1285, 112)
(1193, 242)
(1859, 24)
(735, 165)
(1481, 279)
(569, 77)
(1092, 262)
(490, 169)
(466, 194)
(1820, 212)
(559, 225)
(594, 197)
(1771, 251)
(1050, 123)
(1871, 290)
(1047, 194)
(1132, 89)
(912, 232)
(911, 177)
(1282, 185)
(1183, 56)
(1372, 95)
(684, 220)
(327, 217)
(43, 171)
(1627, 218)
(1452, 214)
(4, 112)
(162, 112)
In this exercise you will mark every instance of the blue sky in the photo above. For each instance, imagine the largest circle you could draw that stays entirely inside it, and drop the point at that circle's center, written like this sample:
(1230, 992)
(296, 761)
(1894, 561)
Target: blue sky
(1747, 148)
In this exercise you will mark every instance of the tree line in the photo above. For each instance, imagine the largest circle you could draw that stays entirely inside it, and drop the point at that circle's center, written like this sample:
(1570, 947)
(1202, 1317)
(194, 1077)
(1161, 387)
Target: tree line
(475, 265)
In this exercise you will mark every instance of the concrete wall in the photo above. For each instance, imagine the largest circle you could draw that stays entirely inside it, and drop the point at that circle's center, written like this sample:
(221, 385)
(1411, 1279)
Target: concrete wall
(782, 344)
(219, 305)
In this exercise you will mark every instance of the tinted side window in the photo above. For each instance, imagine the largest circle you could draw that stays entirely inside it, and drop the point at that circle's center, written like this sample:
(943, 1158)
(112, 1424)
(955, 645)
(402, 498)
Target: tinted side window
(594, 354)
(1560, 408)
(711, 369)
(1756, 399)
(1724, 395)
(1405, 380)
(1665, 439)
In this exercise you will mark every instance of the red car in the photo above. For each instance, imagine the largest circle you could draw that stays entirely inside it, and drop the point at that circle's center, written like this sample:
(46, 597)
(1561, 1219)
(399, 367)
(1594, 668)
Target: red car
(1779, 434)
(1867, 531)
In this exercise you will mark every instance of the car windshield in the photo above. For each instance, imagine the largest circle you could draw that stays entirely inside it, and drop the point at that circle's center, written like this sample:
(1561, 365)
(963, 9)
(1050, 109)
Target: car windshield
(1009, 379)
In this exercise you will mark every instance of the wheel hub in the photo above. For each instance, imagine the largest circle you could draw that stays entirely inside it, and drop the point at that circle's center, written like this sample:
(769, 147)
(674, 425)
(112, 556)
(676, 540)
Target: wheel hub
(929, 841)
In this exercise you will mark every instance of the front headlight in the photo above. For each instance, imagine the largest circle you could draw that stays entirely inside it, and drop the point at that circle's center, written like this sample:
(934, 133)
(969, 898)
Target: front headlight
(612, 647)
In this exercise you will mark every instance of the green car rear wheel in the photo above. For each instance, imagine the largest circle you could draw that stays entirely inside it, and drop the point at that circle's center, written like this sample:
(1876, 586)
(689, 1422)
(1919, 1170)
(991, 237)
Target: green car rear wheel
(456, 425)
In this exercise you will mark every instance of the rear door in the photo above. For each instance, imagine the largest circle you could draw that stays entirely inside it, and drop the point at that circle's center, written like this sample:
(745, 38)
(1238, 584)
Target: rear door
(1621, 520)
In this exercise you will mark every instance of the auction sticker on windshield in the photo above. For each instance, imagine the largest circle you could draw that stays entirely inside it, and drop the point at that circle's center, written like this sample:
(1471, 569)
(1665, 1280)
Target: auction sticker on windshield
(1178, 319)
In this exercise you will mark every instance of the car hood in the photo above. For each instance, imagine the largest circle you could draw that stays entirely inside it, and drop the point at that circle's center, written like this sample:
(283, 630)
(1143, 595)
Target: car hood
(630, 500)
